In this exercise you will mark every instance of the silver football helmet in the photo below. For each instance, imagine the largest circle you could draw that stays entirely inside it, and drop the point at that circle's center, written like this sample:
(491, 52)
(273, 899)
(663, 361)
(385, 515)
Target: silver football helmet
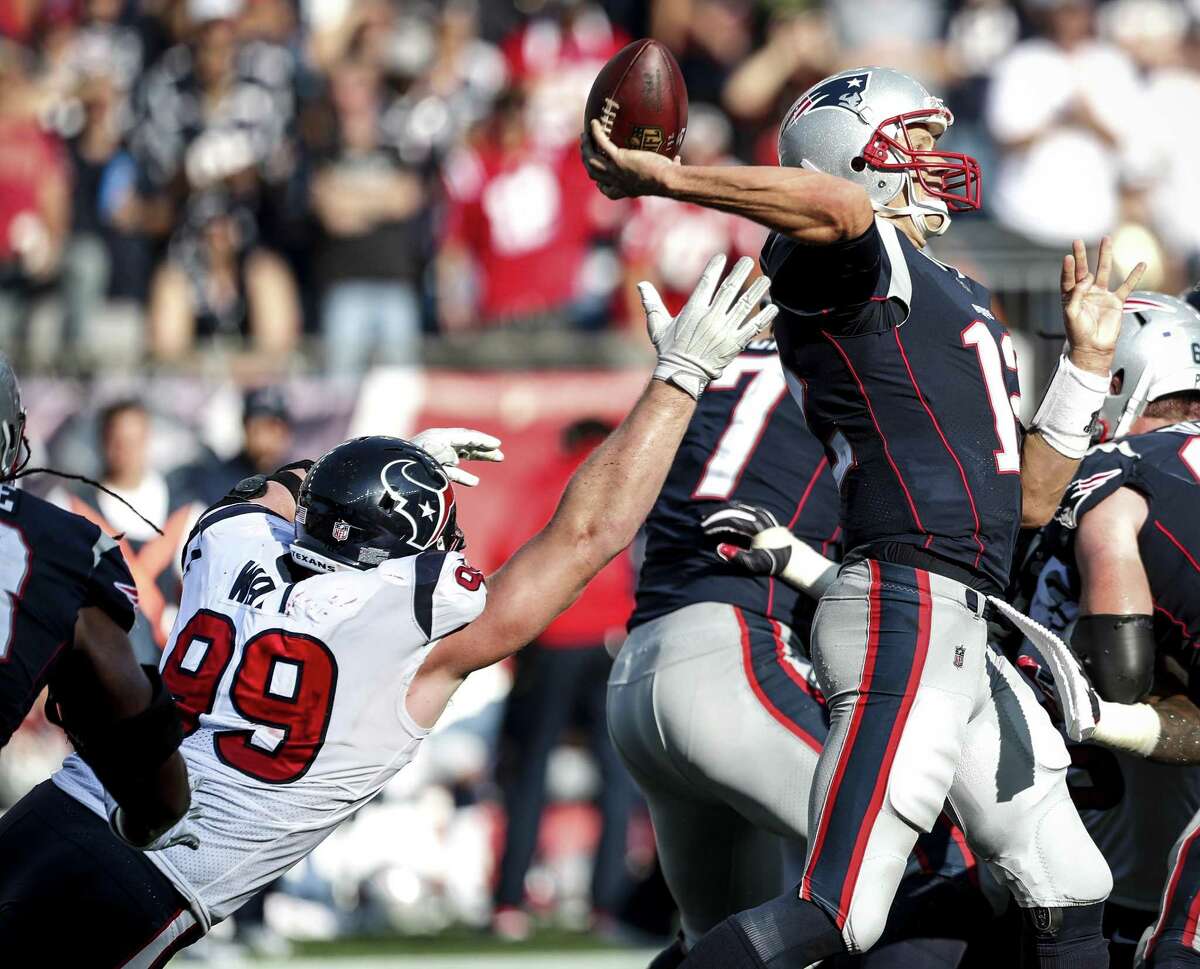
(1158, 353)
(855, 125)
(12, 421)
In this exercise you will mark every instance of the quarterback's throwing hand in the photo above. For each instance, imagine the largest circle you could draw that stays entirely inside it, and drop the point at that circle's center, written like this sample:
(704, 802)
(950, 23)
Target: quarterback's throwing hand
(450, 445)
(712, 328)
(621, 172)
(1092, 314)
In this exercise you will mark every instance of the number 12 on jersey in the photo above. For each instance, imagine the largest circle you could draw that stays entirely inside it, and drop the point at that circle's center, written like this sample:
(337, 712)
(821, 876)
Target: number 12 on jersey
(1004, 407)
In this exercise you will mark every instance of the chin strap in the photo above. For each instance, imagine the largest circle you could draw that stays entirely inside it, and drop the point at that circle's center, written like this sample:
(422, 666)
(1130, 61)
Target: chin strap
(918, 211)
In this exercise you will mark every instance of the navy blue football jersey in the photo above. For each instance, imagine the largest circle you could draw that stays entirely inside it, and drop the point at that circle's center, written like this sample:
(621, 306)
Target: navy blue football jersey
(746, 442)
(1164, 467)
(911, 384)
(52, 564)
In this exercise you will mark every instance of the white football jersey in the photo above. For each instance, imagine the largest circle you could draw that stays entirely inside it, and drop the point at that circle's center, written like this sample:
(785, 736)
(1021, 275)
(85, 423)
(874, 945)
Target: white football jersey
(292, 696)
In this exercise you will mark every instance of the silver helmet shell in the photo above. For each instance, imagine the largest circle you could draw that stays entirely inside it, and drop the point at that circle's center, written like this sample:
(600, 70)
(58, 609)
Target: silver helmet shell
(12, 421)
(854, 125)
(1157, 353)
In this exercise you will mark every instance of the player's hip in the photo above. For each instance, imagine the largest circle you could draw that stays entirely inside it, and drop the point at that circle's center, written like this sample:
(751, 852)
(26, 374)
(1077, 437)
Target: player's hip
(699, 700)
(887, 628)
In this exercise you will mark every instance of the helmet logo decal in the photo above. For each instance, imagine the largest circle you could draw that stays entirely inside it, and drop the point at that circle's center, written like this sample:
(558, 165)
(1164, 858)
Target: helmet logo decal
(433, 506)
(843, 91)
(341, 531)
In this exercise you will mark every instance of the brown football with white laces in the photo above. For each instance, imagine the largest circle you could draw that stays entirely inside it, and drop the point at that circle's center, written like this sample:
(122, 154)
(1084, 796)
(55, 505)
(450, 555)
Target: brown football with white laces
(640, 99)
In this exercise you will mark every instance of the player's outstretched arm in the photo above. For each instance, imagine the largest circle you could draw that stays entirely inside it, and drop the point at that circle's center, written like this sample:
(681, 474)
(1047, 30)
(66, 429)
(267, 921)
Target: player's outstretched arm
(1114, 638)
(1062, 427)
(810, 206)
(610, 495)
(124, 725)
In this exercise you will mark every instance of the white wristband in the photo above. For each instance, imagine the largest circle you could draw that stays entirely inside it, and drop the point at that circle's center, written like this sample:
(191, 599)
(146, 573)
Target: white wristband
(1131, 727)
(682, 373)
(807, 569)
(1068, 409)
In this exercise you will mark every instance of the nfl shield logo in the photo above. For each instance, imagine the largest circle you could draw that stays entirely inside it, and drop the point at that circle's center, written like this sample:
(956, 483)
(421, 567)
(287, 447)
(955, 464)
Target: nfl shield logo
(341, 531)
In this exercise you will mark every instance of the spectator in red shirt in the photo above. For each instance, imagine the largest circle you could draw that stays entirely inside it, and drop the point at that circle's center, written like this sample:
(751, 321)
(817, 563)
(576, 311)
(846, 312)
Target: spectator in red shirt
(35, 201)
(519, 220)
(560, 680)
(669, 243)
(554, 58)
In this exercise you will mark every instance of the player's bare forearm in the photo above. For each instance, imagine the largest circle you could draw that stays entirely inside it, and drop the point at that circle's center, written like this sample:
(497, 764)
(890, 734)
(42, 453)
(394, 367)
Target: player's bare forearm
(1045, 474)
(599, 514)
(807, 205)
(810, 206)
(101, 684)
(1179, 740)
(155, 807)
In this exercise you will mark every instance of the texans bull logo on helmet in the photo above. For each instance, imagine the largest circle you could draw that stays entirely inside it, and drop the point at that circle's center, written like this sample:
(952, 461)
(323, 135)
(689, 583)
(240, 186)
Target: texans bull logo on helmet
(844, 91)
(426, 512)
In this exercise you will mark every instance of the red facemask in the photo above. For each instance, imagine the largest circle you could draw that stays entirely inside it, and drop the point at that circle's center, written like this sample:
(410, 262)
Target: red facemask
(953, 177)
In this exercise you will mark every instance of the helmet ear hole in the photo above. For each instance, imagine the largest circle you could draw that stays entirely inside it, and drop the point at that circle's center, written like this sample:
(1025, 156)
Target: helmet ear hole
(858, 163)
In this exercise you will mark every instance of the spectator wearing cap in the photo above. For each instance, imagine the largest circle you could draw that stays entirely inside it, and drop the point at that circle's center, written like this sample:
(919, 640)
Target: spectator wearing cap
(266, 443)
(1059, 108)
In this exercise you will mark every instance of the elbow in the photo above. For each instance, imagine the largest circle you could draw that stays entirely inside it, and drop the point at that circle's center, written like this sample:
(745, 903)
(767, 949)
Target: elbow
(846, 213)
(1036, 514)
(1118, 653)
(597, 543)
(1036, 511)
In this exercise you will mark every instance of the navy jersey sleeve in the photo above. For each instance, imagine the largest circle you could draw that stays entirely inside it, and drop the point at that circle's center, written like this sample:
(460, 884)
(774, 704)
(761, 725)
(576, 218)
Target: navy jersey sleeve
(110, 586)
(848, 285)
(1101, 473)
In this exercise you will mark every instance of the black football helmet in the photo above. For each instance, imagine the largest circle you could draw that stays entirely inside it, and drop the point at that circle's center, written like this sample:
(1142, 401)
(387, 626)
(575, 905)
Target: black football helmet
(373, 499)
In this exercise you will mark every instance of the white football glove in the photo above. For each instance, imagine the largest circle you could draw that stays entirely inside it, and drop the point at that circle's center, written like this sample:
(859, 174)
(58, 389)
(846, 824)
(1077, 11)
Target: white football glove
(449, 445)
(1077, 701)
(182, 832)
(710, 330)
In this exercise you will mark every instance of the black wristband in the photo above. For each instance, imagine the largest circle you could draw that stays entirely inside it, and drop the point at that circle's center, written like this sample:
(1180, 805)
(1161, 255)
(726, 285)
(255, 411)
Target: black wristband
(1117, 653)
(287, 477)
(125, 753)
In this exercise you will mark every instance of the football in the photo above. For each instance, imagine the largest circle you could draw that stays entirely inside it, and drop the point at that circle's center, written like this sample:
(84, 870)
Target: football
(640, 99)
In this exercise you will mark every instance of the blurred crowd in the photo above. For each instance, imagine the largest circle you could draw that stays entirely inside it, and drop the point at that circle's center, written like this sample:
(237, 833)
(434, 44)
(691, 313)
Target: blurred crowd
(278, 190)
(323, 184)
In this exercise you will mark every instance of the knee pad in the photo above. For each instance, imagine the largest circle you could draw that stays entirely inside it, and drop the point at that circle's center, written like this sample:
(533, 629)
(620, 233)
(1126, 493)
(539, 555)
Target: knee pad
(1075, 869)
(1059, 864)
